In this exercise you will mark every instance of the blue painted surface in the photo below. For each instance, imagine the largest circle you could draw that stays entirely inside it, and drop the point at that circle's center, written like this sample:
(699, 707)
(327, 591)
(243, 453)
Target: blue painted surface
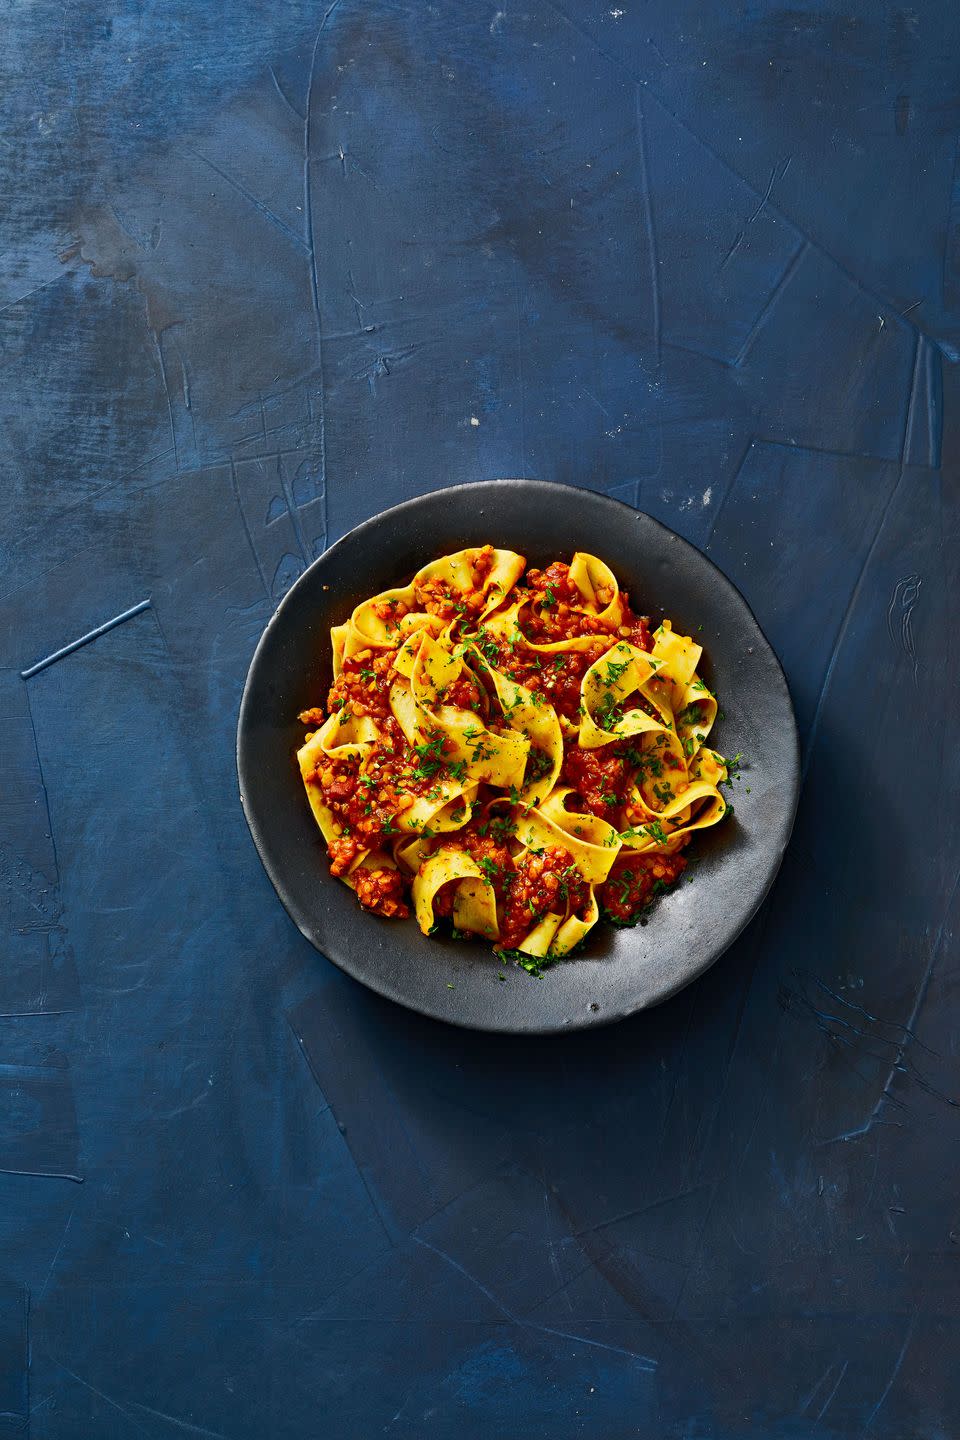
(264, 270)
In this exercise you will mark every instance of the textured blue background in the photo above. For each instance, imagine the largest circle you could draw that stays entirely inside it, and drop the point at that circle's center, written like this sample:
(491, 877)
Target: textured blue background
(265, 269)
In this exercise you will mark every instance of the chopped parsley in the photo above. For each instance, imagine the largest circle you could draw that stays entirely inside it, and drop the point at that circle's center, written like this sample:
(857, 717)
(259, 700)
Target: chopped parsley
(430, 755)
(487, 646)
(609, 712)
(490, 869)
(615, 668)
(533, 964)
(539, 764)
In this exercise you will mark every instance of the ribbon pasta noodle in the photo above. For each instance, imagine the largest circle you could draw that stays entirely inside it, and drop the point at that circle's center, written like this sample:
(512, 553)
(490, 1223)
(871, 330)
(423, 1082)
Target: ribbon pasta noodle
(511, 753)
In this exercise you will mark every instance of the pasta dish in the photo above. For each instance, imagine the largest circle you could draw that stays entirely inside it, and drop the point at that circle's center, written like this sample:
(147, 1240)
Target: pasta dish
(511, 753)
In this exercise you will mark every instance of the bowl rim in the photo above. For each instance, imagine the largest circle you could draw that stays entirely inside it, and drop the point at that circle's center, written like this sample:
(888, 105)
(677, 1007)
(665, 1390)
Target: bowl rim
(791, 760)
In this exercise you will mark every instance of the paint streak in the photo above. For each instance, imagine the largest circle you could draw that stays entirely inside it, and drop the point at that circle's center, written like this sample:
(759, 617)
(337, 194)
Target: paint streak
(881, 1399)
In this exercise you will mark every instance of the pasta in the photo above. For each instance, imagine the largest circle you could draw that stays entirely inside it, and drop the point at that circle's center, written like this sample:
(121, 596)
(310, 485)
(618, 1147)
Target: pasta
(511, 753)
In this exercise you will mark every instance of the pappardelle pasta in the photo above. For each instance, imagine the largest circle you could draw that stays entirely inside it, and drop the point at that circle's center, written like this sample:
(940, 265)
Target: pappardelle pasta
(511, 752)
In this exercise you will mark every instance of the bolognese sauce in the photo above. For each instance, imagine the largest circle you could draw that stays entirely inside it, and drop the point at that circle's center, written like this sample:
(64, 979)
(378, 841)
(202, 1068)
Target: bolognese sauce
(634, 882)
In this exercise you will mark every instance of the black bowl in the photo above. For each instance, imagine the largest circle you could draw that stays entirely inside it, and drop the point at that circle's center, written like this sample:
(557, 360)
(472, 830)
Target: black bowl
(620, 971)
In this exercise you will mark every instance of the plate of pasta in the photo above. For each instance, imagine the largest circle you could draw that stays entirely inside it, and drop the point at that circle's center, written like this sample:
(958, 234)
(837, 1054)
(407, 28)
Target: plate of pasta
(489, 747)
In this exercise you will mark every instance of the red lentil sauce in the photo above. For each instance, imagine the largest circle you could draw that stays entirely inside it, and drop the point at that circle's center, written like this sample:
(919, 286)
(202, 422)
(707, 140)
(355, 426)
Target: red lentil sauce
(634, 881)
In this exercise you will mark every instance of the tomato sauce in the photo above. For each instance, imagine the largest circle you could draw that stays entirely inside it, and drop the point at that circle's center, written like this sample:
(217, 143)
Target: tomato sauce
(382, 891)
(634, 881)
(542, 883)
(600, 777)
(363, 685)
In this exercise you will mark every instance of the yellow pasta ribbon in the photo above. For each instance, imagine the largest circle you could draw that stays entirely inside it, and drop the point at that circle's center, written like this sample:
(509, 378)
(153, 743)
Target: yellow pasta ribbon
(591, 842)
(477, 903)
(606, 686)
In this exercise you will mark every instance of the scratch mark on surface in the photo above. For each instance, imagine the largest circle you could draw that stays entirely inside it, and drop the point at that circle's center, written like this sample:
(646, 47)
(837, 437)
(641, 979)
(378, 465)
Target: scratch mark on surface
(874, 1019)
(85, 639)
(284, 96)
(455, 1265)
(12, 304)
(829, 1400)
(124, 227)
(590, 396)
(681, 1057)
(777, 173)
(177, 1422)
(646, 1361)
(27, 1014)
(924, 435)
(358, 304)
(186, 381)
(649, 224)
(901, 1065)
(893, 1374)
(92, 495)
(642, 1209)
(56, 1257)
(380, 366)
(312, 251)
(809, 1398)
(263, 397)
(115, 1405)
(950, 258)
(854, 279)
(374, 1207)
(728, 491)
(905, 596)
(898, 1065)
(520, 386)
(552, 1249)
(166, 390)
(789, 270)
(246, 529)
(251, 199)
(46, 806)
(855, 593)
